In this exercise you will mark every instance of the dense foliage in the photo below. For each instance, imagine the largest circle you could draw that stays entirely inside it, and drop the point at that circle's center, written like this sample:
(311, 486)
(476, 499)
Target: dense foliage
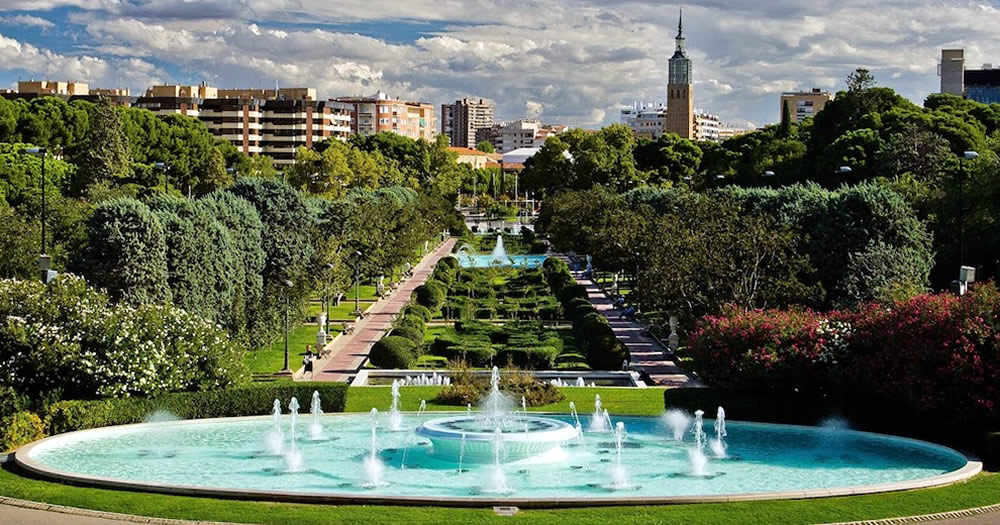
(932, 354)
(68, 340)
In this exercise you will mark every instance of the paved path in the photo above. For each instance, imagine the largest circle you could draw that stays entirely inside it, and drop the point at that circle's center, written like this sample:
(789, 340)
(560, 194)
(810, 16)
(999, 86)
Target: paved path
(16, 515)
(647, 353)
(349, 353)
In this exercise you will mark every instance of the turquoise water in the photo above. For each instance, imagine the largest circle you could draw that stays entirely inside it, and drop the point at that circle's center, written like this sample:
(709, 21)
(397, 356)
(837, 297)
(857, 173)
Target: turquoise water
(234, 454)
(485, 261)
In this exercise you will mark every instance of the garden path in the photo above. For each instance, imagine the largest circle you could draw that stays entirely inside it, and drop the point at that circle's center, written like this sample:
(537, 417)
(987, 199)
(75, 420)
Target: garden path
(647, 352)
(347, 354)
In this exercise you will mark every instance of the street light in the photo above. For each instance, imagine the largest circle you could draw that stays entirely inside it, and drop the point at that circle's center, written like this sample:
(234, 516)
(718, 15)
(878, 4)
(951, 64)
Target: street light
(288, 304)
(962, 175)
(44, 261)
(163, 168)
(357, 285)
(767, 173)
(329, 277)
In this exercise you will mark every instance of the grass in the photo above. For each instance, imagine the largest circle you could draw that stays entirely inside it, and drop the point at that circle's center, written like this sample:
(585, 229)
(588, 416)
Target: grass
(982, 490)
(271, 360)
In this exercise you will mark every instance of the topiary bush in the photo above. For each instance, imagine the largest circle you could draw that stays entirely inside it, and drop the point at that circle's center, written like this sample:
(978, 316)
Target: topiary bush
(418, 310)
(529, 357)
(431, 295)
(410, 333)
(394, 352)
(413, 321)
(450, 261)
(19, 429)
(255, 400)
(571, 295)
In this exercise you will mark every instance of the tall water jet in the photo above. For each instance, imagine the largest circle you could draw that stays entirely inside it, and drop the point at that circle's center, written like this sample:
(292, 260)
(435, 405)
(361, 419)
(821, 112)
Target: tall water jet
(406, 446)
(499, 254)
(579, 381)
(293, 459)
(572, 411)
(374, 469)
(275, 438)
(461, 454)
(718, 444)
(496, 483)
(599, 421)
(496, 406)
(395, 418)
(678, 422)
(619, 475)
(697, 454)
(316, 428)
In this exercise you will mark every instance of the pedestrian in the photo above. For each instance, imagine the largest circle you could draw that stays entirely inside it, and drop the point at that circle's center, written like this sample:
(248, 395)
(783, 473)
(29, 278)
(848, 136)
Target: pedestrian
(307, 361)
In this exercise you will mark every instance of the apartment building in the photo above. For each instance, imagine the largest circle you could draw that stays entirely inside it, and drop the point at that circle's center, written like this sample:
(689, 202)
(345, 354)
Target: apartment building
(67, 91)
(49, 87)
(176, 100)
(645, 119)
(463, 119)
(804, 104)
(981, 85)
(380, 112)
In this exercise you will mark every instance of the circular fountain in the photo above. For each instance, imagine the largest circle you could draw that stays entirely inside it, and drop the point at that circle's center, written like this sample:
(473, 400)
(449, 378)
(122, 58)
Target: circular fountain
(523, 437)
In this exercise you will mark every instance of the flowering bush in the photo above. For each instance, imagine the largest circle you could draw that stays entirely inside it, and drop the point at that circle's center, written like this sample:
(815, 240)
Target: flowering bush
(930, 353)
(769, 350)
(68, 340)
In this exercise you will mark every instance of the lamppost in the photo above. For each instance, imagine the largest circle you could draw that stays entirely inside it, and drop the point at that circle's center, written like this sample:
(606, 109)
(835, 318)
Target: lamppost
(288, 304)
(329, 284)
(163, 168)
(962, 175)
(842, 172)
(357, 285)
(44, 261)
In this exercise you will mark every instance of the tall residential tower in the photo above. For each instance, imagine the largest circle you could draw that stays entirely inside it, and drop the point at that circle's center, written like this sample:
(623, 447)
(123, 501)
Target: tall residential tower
(680, 91)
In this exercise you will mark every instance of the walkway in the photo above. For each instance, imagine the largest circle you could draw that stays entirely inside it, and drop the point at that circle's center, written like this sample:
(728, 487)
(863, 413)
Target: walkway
(349, 352)
(647, 353)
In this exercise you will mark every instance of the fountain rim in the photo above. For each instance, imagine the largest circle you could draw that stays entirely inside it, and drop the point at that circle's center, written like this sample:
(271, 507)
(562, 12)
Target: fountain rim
(22, 459)
(563, 431)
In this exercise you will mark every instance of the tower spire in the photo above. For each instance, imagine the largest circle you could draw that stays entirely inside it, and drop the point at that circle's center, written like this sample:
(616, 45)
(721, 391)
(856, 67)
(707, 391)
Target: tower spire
(680, 23)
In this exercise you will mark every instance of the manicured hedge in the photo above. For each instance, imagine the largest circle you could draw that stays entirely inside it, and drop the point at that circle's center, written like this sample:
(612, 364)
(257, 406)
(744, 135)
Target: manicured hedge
(394, 352)
(256, 400)
(530, 357)
(19, 429)
(421, 311)
(431, 295)
(410, 333)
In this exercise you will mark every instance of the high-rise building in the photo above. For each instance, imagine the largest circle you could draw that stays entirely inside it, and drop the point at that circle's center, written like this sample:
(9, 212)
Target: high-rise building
(379, 112)
(460, 121)
(952, 71)
(803, 104)
(981, 85)
(680, 91)
(517, 134)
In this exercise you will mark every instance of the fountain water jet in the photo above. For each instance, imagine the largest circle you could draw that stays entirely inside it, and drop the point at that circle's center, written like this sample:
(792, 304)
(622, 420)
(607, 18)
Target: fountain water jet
(599, 422)
(496, 483)
(619, 474)
(697, 454)
(275, 438)
(293, 458)
(718, 445)
(678, 422)
(499, 255)
(395, 418)
(316, 428)
(373, 467)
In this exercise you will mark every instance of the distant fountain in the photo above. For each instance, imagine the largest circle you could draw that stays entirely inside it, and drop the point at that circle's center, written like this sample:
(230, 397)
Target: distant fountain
(374, 469)
(293, 459)
(499, 255)
(579, 381)
(718, 444)
(316, 428)
(619, 475)
(395, 418)
(496, 483)
(599, 422)
(678, 422)
(275, 438)
(697, 454)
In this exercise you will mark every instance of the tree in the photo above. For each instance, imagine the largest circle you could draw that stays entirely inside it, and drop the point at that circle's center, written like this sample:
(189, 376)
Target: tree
(108, 157)
(485, 146)
(859, 80)
(549, 170)
(19, 242)
(785, 128)
(668, 159)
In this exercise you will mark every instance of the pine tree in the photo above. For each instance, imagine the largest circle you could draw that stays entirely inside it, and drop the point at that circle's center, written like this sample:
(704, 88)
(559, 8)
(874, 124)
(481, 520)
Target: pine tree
(108, 158)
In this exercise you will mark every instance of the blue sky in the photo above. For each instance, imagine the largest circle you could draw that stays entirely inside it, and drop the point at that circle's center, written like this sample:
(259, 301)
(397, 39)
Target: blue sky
(573, 63)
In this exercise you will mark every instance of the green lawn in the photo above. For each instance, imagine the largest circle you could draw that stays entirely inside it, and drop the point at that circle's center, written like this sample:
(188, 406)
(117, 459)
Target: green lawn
(270, 360)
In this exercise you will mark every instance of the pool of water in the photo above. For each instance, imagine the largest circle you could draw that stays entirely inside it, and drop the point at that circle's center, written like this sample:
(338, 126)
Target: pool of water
(234, 454)
(513, 261)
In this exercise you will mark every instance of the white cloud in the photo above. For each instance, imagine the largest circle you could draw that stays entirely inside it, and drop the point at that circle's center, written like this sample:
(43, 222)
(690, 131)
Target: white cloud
(26, 20)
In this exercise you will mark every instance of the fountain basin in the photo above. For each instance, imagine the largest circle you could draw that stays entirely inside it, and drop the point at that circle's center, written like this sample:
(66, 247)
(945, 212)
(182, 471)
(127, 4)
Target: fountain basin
(486, 261)
(228, 458)
(523, 438)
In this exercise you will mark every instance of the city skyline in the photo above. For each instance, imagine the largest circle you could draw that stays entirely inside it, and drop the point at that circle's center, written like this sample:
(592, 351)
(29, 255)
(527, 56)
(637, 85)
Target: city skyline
(566, 63)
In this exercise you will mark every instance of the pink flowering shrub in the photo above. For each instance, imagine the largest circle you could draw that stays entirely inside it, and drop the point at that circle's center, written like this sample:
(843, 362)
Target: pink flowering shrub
(933, 353)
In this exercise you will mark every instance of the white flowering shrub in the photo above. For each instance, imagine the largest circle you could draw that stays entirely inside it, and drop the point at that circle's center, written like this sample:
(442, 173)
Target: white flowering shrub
(67, 340)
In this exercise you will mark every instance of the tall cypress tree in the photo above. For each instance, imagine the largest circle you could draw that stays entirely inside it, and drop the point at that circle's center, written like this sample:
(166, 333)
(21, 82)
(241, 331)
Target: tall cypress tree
(108, 158)
(786, 121)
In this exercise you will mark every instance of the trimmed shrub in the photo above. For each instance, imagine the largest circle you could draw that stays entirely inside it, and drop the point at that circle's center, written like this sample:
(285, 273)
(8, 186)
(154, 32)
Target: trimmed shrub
(465, 390)
(256, 400)
(529, 357)
(418, 310)
(450, 261)
(413, 321)
(19, 429)
(602, 348)
(569, 294)
(394, 352)
(431, 294)
(539, 248)
(410, 333)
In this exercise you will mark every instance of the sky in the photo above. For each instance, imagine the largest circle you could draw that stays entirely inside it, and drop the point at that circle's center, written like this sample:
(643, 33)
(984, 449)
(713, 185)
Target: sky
(565, 62)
